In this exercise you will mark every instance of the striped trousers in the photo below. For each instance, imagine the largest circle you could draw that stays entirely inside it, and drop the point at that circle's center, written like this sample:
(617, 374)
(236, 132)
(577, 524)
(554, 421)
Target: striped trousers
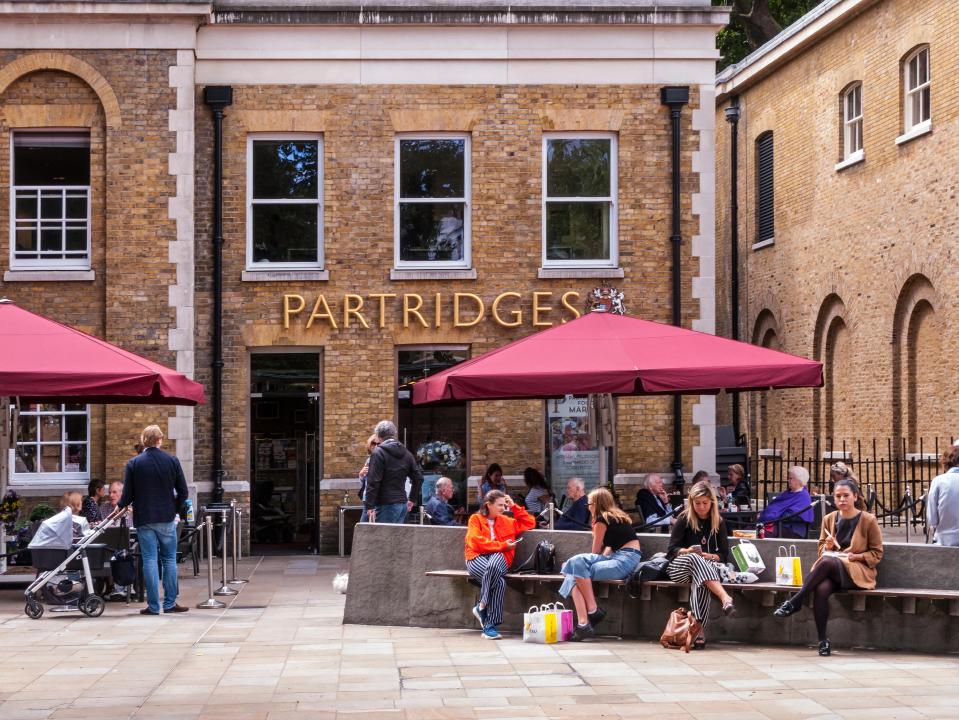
(489, 571)
(696, 570)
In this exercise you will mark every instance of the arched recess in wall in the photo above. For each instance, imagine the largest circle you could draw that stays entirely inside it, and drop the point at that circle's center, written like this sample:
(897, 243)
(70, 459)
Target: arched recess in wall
(831, 347)
(917, 356)
(765, 406)
(69, 64)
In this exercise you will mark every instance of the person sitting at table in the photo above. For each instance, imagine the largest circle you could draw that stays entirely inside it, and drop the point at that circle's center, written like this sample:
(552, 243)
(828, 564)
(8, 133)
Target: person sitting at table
(738, 487)
(576, 515)
(493, 480)
(538, 491)
(850, 548)
(699, 540)
(491, 537)
(615, 555)
(114, 493)
(90, 508)
(794, 500)
(652, 503)
(438, 506)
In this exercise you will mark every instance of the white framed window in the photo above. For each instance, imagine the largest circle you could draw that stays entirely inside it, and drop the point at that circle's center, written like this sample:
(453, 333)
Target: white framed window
(579, 200)
(284, 218)
(852, 122)
(917, 107)
(432, 201)
(53, 444)
(50, 188)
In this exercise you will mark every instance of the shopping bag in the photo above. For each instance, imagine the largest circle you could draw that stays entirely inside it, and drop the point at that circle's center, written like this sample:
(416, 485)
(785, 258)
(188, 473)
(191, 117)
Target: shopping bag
(788, 566)
(564, 620)
(539, 626)
(747, 557)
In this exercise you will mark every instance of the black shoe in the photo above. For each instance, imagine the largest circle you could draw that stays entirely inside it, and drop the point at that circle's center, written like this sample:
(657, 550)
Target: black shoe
(729, 609)
(597, 616)
(786, 609)
(583, 632)
(824, 649)
(148, 611)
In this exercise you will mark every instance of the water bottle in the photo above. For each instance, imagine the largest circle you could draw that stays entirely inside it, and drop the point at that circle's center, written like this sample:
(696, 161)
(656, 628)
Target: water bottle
(189, 511)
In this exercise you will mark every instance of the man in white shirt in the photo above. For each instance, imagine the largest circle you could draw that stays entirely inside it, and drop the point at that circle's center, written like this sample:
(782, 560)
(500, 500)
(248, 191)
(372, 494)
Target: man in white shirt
(942, 503)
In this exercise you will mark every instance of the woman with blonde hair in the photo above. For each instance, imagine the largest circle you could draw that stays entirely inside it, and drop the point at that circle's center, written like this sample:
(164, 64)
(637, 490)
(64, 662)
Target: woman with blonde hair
(615, 555)
(698, 541)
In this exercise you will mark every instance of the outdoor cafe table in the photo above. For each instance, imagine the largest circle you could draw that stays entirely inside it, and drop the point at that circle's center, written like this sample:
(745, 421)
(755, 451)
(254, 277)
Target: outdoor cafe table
(740, 519)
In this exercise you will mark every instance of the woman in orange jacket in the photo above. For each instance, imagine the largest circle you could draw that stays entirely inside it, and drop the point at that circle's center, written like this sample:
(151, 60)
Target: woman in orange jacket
(490, 539)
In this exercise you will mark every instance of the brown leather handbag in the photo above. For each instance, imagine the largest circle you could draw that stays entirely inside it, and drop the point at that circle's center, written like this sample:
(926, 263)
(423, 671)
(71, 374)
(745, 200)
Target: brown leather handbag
(681, 630)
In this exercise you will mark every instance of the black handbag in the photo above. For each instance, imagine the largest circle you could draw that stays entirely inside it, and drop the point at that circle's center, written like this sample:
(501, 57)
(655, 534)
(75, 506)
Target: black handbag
(652, 569)
(123, 568)
(542, 561)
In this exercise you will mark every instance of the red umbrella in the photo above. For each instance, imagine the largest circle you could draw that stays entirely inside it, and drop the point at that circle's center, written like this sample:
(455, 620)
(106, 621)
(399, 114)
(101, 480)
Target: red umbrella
(47, 361)
(605, 353)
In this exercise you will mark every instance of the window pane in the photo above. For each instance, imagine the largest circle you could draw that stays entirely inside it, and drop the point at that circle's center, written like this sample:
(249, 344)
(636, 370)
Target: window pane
(77, 240)
(28, 428)
(285, 169)
(432, 168)
(913, 74)
(50, 428)
(75, 427)
(285, 233)
(924, 105)
(578, 168)
(431, 231)
(26, 208)
(51, 206)
(50, 458)
(51, 158)
(76, 458)
(577, 231)
(51, 239)
(915, 101)
(77, 207)
(75, 407)
(26, 240)
(26, 459)
(922, 62)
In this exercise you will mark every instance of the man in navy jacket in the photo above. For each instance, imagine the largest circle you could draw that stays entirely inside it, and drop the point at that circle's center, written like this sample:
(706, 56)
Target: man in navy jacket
(576, 515)
(155, 485)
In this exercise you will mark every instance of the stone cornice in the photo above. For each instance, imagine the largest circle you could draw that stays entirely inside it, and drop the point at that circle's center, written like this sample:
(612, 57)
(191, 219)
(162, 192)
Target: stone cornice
(124, 9)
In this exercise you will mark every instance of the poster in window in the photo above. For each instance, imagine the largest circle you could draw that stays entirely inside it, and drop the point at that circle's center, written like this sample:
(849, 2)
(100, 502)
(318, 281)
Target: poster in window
(572, 445)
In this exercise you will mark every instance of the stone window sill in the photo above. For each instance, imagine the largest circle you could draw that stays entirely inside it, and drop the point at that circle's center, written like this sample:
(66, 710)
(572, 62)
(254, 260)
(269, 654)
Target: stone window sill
(49, 275)
(915, 131)
(854, 159)
(574, 273)
(425, 274)
(284, 275)
(764, 243)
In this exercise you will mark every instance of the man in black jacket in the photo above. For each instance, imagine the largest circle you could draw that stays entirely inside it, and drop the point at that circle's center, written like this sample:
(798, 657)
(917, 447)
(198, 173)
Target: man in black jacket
(155, 485)
(391, 464)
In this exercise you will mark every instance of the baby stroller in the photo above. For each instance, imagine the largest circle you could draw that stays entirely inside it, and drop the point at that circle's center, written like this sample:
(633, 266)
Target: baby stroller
(64, 566)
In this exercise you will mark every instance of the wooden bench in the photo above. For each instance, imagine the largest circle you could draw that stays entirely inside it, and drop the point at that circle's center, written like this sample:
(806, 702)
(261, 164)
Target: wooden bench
(908, 596)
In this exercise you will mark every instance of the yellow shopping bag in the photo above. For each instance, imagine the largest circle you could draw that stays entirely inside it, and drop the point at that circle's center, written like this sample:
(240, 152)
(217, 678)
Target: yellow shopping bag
(539, 625)
(788, 566)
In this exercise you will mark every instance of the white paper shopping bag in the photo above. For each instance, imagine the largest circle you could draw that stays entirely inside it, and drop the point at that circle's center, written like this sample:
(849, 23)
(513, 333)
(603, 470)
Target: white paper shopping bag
(788, 566)
(539, 626)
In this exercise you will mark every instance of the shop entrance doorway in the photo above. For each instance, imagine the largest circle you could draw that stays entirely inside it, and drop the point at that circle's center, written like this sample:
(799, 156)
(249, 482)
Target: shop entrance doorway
(285, 456)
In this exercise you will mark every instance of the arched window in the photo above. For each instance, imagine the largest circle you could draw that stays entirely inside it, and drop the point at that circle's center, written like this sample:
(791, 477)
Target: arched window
(917, 103)
(852, 121)
(765, 215)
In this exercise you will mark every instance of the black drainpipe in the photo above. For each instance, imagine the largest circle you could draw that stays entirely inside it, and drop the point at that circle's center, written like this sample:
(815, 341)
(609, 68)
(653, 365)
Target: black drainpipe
(732, 117)
(218, 97)
(675, 98)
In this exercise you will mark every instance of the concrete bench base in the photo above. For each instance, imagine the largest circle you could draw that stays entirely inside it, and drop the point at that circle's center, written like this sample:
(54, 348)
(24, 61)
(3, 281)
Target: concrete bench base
(398, 576)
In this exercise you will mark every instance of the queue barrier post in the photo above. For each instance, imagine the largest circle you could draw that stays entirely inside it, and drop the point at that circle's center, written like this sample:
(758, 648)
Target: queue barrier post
(224, 511)
(210, 603)
(235, 514)
(552, 512)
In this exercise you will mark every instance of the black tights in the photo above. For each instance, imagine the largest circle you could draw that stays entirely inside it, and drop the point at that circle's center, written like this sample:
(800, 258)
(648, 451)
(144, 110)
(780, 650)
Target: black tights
(823, 581)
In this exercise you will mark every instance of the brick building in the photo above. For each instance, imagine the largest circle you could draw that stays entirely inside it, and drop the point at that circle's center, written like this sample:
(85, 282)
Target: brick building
(401, 190)
(847, 219)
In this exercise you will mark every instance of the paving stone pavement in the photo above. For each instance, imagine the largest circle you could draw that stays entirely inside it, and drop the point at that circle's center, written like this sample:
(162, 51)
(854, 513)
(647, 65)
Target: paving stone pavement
(280, 651)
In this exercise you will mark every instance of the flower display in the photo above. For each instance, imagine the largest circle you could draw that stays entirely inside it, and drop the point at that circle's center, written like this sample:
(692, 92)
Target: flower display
(438, 453)
(10, 510)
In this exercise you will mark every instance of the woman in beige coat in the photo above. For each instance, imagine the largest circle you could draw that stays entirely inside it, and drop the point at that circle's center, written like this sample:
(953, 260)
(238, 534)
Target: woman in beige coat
(850, 548)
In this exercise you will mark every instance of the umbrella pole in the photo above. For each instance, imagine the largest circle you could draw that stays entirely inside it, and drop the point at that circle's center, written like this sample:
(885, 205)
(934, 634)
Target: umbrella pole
(6, 438)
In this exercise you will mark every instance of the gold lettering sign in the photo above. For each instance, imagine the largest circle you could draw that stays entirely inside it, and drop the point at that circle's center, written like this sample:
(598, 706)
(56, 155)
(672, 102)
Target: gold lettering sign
(465, 310)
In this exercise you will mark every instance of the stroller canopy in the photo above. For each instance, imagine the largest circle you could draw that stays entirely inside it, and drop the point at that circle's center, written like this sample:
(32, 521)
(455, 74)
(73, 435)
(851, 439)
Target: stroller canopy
(54, 533)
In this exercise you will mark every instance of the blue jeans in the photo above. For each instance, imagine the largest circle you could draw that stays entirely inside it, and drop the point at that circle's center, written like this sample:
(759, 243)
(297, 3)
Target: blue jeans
(618, 566)
(394, 513)
(154, 539)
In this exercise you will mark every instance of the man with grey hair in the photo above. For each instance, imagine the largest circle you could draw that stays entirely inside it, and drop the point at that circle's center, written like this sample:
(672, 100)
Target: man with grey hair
(576, 515)
(652, 502)
(438, 507)
(391, 464)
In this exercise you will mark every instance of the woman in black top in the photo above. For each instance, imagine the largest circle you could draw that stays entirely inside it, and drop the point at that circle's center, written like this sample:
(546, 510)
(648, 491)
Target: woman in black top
(615, 556)
(698, 540)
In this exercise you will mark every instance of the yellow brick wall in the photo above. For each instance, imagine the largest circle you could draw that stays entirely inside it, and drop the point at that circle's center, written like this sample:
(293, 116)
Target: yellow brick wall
(848, 241)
